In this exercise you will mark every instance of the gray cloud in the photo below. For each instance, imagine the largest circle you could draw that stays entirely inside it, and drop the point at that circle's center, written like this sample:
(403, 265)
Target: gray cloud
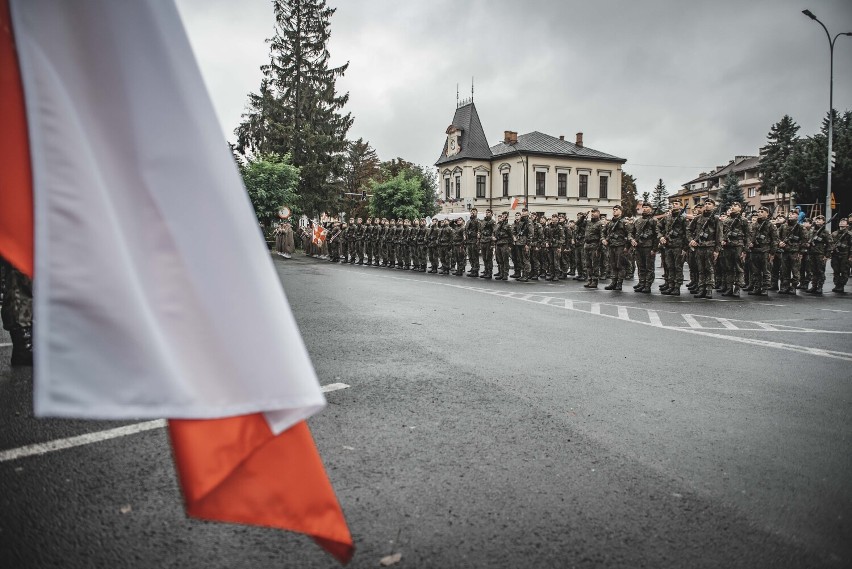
(671, 86)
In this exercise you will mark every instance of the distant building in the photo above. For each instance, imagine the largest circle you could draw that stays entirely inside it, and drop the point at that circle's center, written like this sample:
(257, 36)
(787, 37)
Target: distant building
(746, 168)
(556, 175)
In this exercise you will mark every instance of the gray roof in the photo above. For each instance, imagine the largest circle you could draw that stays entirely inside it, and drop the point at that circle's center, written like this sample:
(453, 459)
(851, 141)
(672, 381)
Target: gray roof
(473, 142)
(539, 143)
(747, 163)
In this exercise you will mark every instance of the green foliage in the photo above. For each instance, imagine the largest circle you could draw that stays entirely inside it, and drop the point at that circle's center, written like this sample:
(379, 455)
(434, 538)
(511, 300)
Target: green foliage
(731, 192)
(799, 165)
(271, 182)
(426, 177)
(399, 197)
(774, 168)
(659, 199)
(296, 110)
(629, 194)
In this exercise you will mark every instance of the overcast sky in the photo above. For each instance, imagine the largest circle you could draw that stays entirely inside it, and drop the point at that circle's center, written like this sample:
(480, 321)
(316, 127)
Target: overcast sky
(674, 87)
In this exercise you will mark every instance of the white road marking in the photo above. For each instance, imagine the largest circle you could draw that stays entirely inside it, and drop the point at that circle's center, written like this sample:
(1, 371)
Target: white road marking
(5, 345)
(727, 324)
(654, 319)
(99, 436)
(88, 438)
(622, 313)
(693, 323)
(825, 309)
(596, 308)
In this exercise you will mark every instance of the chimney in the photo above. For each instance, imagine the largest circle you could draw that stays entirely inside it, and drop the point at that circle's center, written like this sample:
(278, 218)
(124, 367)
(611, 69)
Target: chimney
(579, 139)
(561, 137)
(510, 137)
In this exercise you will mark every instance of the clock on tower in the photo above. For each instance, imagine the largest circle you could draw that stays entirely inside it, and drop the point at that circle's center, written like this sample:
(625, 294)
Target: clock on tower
(453, 140)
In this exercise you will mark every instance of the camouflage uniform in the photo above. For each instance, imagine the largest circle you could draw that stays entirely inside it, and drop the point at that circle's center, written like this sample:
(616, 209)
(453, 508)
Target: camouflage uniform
(445, 243)
(17, 313)
(616, 235)
(708, 235)
(674, 230)
(762, 243)
(503, 239)
(819, 248)
(486, 246)
(790, 243)
(840, 257)
(735, 230)
(644, 235)
(472, 231)
(592, 251)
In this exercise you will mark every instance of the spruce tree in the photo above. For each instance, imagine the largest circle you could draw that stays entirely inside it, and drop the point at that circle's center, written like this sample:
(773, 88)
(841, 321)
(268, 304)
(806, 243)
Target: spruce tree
(659, 200)
(731, 192)
(297, 110)
(780, 146)
(629, 199)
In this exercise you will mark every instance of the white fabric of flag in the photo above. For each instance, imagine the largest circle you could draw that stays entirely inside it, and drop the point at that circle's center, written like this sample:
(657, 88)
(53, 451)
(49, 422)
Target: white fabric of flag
(155, 295)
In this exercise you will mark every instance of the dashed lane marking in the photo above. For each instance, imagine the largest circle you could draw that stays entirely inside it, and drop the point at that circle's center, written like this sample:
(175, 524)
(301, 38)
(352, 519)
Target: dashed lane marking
(693, 325)
(99, 436)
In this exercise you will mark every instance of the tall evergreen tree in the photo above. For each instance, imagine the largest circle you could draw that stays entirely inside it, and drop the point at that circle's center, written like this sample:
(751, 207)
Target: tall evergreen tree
(629, 194)
(731, 192)
(362, 165)
(297, 110)
(659, 198)
(780, 145)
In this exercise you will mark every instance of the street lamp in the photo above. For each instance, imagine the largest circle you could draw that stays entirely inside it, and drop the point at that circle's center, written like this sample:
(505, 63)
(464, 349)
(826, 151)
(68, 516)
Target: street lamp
(831, 41)
(525, 164)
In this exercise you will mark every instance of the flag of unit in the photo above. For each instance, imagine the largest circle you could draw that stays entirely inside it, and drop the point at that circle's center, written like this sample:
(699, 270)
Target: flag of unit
(143, 238)
(319, 235)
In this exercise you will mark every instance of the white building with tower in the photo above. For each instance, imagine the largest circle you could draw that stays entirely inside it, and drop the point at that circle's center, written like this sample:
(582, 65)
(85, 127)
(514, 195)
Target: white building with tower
(553, 174)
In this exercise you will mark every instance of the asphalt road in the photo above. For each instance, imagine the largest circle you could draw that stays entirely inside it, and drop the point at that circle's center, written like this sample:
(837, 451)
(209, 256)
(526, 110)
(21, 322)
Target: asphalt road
(499, 424)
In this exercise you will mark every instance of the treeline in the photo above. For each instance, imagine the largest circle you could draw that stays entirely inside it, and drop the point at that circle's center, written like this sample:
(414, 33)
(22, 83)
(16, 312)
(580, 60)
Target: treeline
(797, 166)
(292, 147)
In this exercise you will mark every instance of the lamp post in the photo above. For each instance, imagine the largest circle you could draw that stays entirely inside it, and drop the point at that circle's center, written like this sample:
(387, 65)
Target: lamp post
(831, 41)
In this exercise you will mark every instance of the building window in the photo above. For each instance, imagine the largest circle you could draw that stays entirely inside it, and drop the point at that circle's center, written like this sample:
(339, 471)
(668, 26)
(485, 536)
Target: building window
(562, 185)
(539, 183)
(458, 187)
(752, 192)
(506, 185)
(447, 188)
(480, 186)
(584, 185)
(604, 186)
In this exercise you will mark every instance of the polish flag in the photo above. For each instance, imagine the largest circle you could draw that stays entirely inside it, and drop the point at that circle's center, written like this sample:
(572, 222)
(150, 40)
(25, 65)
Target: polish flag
(514, 203)
(154, 293)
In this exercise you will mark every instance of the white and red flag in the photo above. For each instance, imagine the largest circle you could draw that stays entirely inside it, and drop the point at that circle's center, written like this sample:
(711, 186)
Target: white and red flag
(154, 293)
(514, 203)
(319, 235)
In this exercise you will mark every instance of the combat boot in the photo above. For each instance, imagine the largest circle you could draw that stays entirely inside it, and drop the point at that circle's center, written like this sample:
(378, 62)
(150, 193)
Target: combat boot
(618, 285)
(709, 293)
(701, 292)
(638, 286)
(645, 289)
(728, 291)
(675, 291)
(817, 290)
(22, 346)
(612, 285)
(664, 287)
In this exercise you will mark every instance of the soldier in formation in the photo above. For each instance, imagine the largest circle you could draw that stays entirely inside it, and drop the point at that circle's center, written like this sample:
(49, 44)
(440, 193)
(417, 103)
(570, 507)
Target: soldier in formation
(724, 252)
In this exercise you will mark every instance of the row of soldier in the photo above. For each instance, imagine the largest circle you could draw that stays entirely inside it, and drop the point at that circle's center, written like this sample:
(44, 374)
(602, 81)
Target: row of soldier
(724, 252)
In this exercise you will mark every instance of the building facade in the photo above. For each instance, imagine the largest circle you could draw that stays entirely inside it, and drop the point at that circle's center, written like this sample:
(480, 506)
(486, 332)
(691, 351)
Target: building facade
(746, 169)
(551, 174)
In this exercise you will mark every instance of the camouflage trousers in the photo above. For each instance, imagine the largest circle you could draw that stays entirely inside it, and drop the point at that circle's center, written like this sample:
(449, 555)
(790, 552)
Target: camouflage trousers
(473, 255)
(791, 265)
(592, 261)
(705, 265)
(433, 257)
(840, 266)
(645, 265)
(759, 268)
(17, 311)
(617, 262)
(817, 269)
(487, 250)
(673, 261)
(503, 259)
(732, 266)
